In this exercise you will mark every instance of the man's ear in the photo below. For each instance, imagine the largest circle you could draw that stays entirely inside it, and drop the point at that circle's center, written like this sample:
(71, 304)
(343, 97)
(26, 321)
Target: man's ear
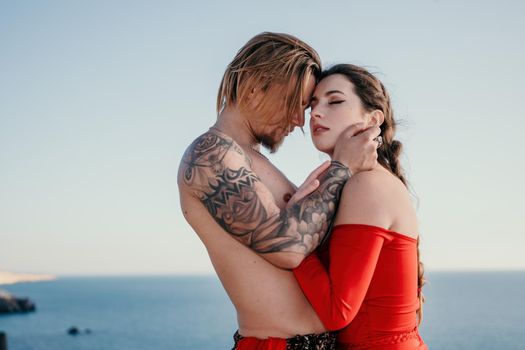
(376, 117)
(251, 95)
(254, 97)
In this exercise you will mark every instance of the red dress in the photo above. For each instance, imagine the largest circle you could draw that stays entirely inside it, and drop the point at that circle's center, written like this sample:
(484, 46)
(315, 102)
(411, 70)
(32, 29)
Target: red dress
(368, 290)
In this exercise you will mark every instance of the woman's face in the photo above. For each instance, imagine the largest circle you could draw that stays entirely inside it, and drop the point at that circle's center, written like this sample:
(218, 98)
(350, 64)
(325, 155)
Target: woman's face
(334, 107)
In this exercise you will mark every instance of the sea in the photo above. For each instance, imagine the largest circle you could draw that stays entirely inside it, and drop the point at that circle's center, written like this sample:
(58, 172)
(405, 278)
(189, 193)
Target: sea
(464, 310)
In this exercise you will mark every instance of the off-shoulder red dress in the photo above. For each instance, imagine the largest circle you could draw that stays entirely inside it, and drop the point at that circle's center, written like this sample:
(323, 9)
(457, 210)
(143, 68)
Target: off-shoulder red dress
(364, 282)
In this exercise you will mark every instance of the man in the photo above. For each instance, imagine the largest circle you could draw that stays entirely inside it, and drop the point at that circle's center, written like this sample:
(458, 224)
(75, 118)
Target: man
(239, 203)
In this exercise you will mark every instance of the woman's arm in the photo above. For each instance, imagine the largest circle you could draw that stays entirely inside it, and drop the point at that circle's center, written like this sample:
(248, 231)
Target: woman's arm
(336, 294)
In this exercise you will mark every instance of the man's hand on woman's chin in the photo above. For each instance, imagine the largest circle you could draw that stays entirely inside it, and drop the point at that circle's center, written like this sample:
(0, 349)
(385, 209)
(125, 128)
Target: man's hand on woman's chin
(356, 147)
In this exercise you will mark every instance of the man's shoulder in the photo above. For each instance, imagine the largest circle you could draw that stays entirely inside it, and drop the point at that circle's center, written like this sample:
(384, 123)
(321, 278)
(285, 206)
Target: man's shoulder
(208, 155)
(211, 144)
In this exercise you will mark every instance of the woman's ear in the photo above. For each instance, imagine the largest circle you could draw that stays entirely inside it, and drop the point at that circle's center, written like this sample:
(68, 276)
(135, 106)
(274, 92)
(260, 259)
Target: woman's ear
(376, 117)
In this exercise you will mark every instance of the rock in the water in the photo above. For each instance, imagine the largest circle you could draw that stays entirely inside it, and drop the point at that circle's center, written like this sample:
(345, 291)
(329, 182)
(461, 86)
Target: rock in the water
(73, 331)
(26, 304)
(11, 304)
(3, 341)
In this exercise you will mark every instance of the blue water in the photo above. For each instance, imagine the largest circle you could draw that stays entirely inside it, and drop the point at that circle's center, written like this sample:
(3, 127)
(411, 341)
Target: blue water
(463, 311)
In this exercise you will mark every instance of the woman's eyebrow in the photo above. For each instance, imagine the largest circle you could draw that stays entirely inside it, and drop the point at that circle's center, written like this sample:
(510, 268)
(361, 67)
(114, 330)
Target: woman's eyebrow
(334, 92)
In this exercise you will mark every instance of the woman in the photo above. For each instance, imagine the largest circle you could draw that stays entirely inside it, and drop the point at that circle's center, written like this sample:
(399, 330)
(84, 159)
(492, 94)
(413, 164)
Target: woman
(367, 279)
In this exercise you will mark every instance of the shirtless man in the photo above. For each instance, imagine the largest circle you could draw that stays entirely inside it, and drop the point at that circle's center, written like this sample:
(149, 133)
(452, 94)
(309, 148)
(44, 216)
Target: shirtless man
(254, 222)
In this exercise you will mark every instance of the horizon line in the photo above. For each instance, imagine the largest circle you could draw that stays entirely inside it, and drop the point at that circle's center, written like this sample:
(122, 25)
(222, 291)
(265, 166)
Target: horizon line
(212, 274)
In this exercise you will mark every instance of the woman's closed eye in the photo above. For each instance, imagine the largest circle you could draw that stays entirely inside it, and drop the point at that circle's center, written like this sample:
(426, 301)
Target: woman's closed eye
(336, 102)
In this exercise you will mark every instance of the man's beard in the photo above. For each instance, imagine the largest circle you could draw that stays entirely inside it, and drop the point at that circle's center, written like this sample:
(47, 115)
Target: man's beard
(271, 142)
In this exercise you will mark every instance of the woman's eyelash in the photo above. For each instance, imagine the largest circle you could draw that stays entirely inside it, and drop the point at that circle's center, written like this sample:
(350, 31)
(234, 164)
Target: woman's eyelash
(336, 102)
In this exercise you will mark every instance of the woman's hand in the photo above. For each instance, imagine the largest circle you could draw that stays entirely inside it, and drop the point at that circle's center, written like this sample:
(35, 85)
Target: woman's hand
(309, 185)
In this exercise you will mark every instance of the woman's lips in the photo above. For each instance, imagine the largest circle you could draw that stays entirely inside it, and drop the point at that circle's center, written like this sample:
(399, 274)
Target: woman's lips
(317, 130)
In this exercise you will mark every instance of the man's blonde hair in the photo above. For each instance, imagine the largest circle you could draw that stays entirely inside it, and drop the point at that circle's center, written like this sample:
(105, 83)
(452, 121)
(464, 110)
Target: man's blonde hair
(267, 61)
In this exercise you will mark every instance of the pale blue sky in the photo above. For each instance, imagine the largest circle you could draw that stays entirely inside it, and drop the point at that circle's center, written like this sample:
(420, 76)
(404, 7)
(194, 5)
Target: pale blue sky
(98, 100)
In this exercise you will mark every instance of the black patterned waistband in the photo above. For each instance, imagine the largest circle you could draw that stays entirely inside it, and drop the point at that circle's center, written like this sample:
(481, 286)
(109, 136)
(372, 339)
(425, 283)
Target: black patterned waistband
(322, 341)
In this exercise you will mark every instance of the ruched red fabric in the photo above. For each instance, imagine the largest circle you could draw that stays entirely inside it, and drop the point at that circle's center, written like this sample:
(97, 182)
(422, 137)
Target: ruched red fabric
(250, 343)
(364, 282)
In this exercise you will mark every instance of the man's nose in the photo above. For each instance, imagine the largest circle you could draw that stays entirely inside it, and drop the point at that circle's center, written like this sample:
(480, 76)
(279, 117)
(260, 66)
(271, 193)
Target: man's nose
(298, 120)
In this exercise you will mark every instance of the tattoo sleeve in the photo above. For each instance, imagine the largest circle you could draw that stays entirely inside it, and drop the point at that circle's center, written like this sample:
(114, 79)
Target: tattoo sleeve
(217, 170)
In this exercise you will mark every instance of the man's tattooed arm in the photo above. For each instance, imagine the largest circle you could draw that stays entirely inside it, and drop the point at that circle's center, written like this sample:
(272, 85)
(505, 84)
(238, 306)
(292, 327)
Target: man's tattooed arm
(218, 172)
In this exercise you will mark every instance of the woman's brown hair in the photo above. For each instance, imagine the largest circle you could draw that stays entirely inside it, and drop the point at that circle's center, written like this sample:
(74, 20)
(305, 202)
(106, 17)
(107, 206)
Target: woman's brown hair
(374, 96)
(269, 60)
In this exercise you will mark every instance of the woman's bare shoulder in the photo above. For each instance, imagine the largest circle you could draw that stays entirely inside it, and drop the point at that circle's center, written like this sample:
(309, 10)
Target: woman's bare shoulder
(370, 198)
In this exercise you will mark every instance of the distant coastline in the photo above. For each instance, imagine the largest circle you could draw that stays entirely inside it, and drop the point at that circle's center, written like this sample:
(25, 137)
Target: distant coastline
(11, 277)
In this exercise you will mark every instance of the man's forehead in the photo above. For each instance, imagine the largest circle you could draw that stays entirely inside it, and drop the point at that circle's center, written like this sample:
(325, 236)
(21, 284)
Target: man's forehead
(309, 88)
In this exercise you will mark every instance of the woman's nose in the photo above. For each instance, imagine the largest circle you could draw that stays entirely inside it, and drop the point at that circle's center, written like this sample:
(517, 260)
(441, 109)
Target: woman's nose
(316, 112)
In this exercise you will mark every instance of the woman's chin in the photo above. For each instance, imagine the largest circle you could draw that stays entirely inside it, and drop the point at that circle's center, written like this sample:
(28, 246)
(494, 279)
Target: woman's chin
(325, 148)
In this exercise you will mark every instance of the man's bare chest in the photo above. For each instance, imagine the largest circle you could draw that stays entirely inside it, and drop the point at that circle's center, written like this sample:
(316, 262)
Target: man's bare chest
(280, 187)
